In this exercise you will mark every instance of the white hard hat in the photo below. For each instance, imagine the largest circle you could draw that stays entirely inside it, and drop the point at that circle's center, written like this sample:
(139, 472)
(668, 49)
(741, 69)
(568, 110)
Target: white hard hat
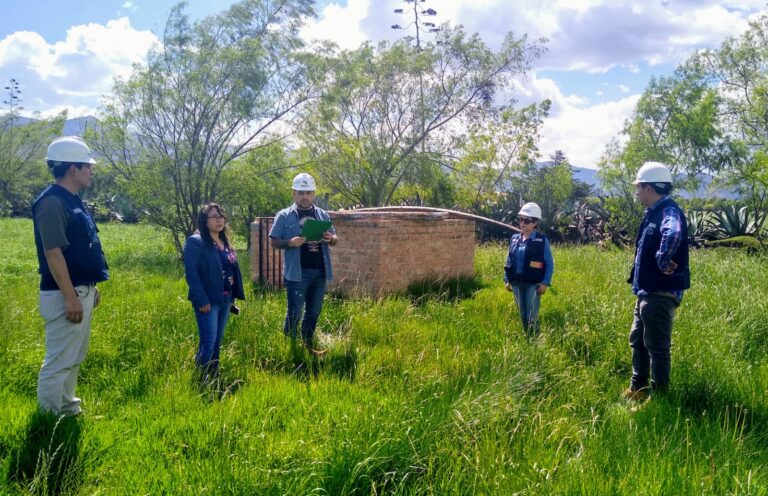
(304, 182)
(69, 149)
(653, 172)
(530, 209)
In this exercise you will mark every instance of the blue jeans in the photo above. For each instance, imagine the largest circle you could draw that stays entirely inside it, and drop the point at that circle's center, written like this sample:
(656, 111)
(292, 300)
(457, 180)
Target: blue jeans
(305, 296)
(651, 341)
(528, 303)
(210, 327)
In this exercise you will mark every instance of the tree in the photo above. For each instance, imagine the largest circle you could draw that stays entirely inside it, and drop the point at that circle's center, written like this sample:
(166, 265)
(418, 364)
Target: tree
(256, 185)
(739, 71)
(497, 152)
(373, 131)
(675, 122)
(23, 172)
(216, 90)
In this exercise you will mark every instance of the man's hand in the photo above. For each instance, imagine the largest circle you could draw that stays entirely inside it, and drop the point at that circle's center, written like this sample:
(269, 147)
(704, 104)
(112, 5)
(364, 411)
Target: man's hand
(205, 308)
(541, 288)
(330, 238)
(296, 241)
(96, 298)
(671, 266)
(507, 286)
(73, 309)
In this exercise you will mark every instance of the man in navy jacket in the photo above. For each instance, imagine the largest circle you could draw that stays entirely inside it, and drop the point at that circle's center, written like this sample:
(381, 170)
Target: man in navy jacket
(71, 263)
(659, 276)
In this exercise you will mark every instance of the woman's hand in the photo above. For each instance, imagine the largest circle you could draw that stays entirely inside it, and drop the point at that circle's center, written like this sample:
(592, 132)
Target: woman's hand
(507, 286)
(541, 288)
(205, 308)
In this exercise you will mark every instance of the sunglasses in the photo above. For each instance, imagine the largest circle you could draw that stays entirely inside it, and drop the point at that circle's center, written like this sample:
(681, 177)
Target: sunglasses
(525, 220)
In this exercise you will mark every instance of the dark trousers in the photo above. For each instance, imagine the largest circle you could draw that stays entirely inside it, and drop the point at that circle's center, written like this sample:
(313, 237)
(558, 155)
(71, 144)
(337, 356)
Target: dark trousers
(651, 341)
(305, 296)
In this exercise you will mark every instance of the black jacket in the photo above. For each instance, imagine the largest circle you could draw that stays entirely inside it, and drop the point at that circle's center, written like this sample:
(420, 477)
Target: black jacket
(84, 257)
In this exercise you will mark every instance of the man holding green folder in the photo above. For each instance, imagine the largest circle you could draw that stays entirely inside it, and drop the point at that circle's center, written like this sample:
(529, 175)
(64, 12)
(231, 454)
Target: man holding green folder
(305, 232)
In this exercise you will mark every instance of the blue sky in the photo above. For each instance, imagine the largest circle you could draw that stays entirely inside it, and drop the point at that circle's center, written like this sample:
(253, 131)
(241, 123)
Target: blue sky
(601, 53)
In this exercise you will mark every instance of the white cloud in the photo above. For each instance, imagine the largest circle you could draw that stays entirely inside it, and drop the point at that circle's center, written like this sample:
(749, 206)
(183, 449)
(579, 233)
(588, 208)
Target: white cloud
(623, 88)
(583, 132)
(341, 25)
(72, 111)
(580, 129)
(75, 72)
(26, 47)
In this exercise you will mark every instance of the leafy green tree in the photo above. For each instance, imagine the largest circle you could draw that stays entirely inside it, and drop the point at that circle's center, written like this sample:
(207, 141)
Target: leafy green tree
(739, 71)
(391, 111)
(675, 122)
(257, 185)
(23, 173)
(497, 152)
(214, 91)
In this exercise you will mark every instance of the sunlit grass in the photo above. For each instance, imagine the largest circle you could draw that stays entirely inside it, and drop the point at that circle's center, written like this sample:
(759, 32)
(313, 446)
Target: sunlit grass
(432, 392)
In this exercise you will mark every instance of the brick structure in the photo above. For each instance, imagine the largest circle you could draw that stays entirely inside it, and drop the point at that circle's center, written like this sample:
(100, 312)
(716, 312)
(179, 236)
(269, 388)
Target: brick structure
(384, 252)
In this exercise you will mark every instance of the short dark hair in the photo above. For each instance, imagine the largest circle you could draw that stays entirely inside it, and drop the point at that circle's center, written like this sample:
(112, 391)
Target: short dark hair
(659, 188)
(59, 169)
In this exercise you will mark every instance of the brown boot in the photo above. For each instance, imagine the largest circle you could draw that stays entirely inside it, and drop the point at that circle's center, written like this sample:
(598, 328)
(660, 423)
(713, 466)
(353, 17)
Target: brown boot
(638, 395)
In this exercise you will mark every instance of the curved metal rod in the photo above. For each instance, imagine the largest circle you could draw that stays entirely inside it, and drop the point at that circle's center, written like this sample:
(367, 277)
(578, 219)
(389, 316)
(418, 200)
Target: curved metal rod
(454, 213)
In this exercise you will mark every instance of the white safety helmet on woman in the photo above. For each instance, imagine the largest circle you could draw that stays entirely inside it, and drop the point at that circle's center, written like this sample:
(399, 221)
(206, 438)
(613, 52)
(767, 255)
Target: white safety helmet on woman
(531, 210)
(653, 172)
(304, 182)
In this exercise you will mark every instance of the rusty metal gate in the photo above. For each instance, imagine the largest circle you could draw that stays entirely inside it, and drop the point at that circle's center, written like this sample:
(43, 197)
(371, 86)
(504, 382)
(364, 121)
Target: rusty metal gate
(270, 261)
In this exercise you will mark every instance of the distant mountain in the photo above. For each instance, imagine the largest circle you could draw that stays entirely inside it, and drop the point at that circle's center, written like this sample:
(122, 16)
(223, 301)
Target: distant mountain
(72, 127)
(705, 190)
(76, 126)
(585, 175)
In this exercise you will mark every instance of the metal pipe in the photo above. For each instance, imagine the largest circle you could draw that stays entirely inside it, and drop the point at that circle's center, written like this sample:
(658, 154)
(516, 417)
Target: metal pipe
(454, 213)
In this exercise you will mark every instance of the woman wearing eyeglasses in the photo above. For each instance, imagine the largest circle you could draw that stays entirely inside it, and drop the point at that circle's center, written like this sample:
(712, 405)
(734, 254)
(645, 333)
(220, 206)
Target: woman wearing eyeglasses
(214, 280)
(529, 268)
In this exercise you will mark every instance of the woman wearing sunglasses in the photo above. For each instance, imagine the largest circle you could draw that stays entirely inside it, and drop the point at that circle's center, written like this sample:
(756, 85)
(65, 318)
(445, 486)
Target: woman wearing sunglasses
(529, 267)
(214, 280)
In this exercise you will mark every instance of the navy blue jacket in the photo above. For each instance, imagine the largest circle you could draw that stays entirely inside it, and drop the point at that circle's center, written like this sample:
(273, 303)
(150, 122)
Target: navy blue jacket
(85, 259)
(202, 267)
(648, 243)
(538, 264)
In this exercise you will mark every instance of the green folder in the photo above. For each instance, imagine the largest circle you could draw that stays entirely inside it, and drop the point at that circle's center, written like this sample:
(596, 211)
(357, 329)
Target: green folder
(313, 229)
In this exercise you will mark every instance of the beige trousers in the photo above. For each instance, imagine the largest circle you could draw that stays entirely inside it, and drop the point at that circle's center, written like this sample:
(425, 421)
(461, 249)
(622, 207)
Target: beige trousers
(66, 345)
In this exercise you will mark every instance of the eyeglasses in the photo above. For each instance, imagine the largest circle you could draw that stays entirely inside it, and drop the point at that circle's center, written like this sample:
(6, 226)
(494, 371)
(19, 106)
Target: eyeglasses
(217, 216)
(525, 220)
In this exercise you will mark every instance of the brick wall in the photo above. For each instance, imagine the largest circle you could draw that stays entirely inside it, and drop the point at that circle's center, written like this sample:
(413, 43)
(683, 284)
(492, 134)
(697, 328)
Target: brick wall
(384, 252)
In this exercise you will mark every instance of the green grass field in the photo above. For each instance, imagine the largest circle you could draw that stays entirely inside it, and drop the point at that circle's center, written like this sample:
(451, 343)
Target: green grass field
(417, 395)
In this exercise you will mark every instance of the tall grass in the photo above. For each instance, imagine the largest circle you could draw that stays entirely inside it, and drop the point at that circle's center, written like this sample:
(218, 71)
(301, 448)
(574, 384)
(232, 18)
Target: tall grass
(436, 391)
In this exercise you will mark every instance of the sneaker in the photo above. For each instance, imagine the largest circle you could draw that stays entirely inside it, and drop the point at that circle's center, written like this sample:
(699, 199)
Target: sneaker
(638, 395)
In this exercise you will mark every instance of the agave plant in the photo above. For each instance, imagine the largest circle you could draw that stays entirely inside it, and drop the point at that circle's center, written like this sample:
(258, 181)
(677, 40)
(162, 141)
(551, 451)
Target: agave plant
(591, 223)
(730, 222)
(701, 226)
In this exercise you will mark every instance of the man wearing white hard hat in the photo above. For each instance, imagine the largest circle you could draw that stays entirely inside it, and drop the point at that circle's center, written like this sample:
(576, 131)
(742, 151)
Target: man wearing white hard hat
(71, 262)
(307, 265)
(529, 267)
(659, 276)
